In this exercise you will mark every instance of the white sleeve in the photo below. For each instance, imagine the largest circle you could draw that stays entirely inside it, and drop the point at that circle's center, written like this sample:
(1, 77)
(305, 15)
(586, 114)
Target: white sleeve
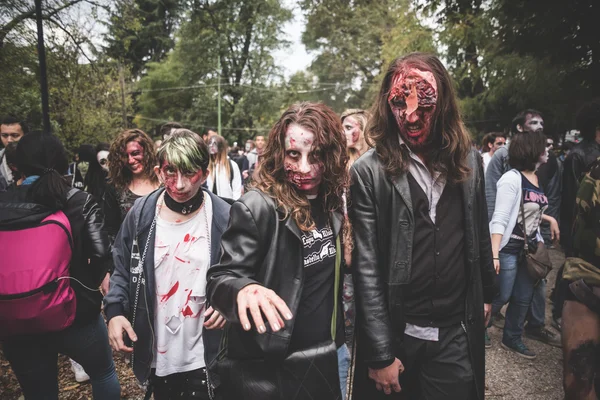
(508, 195)
(236, 184)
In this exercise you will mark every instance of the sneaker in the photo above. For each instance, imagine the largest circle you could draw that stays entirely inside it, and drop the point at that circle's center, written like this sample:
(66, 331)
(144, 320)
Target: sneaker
(498, 320)
(520, 349)
(557, 324)
(544, 335)
(488, 341)
(80, 375)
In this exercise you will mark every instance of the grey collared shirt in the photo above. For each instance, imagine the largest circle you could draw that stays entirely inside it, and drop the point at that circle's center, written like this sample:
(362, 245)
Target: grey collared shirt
(433, 186)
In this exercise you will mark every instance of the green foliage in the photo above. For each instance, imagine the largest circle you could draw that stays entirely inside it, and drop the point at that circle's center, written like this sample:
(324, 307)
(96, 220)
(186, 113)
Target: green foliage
(141, 31)
(355, 41)
(226, 41)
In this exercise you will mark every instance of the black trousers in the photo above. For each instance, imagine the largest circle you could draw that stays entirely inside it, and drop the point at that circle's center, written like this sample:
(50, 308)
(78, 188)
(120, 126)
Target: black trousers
(432, 370)
(192, 385)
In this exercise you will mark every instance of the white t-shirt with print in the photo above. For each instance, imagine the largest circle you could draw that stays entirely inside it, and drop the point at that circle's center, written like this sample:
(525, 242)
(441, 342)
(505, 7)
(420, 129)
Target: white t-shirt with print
(181, 261)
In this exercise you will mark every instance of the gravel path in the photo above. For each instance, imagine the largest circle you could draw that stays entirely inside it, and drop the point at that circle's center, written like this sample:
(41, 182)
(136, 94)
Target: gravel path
(508, 376)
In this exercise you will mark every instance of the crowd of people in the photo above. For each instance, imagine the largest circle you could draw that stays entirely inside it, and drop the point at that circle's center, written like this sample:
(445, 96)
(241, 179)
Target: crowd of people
(361, 255)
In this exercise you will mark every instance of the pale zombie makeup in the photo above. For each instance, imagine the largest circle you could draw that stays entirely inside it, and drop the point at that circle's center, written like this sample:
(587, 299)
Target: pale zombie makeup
(213, 147)
(135, 157)
(302, 160)
(352, 131)
(102, 157)
(413, 99)
(181, 186)
(533, 123)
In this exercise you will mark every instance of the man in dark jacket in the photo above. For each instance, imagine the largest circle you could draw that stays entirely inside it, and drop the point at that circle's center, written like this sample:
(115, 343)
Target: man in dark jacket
(162, 253)
(424, 276)
(576, 165)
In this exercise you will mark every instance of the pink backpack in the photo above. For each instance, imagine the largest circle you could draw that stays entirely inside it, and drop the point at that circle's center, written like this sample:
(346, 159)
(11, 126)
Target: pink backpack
(35, 294)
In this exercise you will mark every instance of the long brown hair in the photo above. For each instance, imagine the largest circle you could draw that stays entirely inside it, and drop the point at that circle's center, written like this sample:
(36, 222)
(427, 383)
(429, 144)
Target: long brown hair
(119, 174)
(449, 142)
(220, 158)
(330, 144)
(362, 117)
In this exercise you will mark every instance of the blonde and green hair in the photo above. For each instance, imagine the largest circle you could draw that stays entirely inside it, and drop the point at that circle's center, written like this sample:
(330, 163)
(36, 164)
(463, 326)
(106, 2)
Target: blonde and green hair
(185, 150)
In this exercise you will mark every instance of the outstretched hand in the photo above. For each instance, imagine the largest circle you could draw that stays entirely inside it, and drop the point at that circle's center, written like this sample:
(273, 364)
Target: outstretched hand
(256, 298)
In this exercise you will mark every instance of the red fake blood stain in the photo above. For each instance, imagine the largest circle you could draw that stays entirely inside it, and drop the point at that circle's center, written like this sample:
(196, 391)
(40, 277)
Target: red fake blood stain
(186, 238)
(179, 259)
(171, 292)
(187, 312)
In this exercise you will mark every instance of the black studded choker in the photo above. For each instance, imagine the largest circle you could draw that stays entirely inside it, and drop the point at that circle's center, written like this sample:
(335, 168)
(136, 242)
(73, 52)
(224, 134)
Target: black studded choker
(188, 207)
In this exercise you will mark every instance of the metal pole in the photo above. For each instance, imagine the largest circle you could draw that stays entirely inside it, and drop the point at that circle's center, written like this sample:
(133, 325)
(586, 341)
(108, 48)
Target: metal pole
(122, 85)
(219, 96)
(42, 60)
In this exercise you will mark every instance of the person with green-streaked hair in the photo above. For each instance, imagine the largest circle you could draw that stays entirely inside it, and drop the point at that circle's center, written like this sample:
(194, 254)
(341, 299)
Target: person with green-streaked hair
(157, 295)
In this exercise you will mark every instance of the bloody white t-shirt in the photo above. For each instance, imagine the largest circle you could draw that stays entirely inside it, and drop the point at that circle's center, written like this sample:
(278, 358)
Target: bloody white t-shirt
(181, 260)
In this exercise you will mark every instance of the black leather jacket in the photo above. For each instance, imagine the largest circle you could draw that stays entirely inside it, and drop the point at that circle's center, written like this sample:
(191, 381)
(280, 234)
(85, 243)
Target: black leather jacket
(259, 247)
(383, 222)
(575, 166)
(90, 242)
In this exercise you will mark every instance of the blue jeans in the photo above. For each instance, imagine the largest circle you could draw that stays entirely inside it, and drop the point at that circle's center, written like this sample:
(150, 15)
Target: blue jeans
(343, 365)
(518, 307)
(506, 280)
(34, 359)
(537, 312)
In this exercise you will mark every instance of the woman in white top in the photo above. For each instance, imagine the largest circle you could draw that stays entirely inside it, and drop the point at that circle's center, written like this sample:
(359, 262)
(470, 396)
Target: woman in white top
(526, 153)
(225, 179)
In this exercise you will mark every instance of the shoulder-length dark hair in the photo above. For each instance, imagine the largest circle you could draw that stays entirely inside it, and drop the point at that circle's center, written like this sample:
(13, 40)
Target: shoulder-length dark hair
(525, 150)
(330, 145)
(44, 155)
(119, 174)
(449, 141)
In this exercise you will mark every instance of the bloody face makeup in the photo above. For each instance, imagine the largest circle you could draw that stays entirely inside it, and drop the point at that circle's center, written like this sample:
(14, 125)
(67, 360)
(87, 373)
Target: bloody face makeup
(302, 161)
(413, 99)
(352, 131)
(181, 186)
(135, 157)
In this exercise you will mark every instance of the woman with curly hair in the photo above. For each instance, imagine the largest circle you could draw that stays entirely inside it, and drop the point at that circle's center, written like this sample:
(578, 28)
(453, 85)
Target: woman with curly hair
(131, 161)
(281, 260)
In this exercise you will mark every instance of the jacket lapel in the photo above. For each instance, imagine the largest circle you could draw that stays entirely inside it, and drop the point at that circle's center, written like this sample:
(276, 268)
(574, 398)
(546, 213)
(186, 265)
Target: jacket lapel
(291, 225)
(336, 222)
(400, 183)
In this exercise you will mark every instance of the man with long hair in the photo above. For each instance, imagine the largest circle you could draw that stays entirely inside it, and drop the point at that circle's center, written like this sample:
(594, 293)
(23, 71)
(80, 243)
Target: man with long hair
(424, 276)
